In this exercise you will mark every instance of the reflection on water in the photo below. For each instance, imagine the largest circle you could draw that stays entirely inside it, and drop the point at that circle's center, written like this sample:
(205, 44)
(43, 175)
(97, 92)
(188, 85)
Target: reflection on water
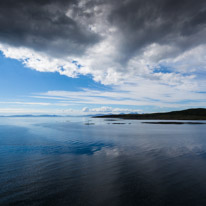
(61, 161)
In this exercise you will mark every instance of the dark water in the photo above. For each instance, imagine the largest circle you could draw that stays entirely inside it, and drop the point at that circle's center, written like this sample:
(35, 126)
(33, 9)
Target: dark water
(61, 161)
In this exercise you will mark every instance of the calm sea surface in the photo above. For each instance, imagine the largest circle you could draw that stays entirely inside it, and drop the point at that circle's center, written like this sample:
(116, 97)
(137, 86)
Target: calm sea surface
(63, 161)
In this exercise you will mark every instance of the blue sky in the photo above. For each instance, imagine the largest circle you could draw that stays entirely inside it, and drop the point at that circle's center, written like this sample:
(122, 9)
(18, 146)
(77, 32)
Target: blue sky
(20, 88)
(84, 57)
(26, 91)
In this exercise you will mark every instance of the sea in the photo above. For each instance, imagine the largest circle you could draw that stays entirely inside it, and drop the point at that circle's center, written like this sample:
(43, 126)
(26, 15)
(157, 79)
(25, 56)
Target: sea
(110, 162)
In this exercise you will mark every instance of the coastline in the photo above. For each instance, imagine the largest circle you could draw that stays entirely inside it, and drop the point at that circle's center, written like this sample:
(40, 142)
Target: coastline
(189, 114)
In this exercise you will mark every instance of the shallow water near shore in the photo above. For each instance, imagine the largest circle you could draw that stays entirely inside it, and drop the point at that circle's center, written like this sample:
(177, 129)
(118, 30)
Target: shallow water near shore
(85, 161)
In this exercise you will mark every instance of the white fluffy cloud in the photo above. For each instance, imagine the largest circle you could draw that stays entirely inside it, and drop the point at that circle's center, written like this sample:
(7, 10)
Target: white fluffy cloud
(109, 110)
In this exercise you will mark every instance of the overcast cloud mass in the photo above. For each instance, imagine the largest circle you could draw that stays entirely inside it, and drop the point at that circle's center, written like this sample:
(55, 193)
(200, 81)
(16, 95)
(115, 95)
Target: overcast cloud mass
(135, 45)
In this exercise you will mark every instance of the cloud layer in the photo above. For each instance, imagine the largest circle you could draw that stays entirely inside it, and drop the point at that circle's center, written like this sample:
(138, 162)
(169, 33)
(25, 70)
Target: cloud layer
(44, 26)
(160, 42)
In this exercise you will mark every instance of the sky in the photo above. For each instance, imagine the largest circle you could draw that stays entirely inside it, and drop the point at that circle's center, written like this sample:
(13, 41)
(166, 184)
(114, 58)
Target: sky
(80, 57)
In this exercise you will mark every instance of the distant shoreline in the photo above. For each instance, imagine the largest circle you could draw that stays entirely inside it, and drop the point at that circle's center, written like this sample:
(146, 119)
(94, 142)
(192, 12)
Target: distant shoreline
(173, 123)
(189, 114)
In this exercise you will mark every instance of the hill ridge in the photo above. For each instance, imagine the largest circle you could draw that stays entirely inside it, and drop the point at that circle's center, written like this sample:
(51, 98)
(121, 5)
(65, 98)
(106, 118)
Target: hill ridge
(187, 114)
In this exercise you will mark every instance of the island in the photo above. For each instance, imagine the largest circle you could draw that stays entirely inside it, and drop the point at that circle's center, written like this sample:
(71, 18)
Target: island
(188, 114)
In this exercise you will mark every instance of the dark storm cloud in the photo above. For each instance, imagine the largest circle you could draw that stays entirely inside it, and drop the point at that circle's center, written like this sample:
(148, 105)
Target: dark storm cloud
(44, 26)
(174, 22)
